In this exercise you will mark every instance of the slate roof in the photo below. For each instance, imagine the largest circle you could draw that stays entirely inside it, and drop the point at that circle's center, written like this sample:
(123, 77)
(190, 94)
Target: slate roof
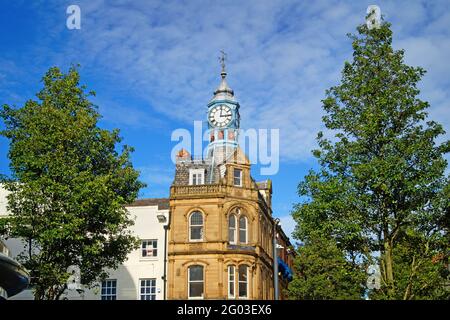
(162, 203)
(182, 171)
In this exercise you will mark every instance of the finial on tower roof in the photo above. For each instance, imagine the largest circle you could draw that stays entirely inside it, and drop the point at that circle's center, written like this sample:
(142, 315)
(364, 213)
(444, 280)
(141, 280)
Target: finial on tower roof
(223, 91)
(222, 60)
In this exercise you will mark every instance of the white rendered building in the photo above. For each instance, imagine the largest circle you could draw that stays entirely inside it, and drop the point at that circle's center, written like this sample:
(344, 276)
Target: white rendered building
(142, 275)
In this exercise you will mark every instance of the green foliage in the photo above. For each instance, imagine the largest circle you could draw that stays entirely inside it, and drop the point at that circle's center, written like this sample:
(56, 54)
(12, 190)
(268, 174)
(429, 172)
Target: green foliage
(68, 187)
(381, 191)
(418, 269)
(323, 273)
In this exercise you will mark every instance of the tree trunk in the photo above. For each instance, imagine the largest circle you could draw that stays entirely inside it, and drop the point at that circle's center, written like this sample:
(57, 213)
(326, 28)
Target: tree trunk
(389, 268)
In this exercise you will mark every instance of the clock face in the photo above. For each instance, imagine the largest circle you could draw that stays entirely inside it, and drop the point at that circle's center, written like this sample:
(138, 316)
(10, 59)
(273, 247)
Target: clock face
(220, 116)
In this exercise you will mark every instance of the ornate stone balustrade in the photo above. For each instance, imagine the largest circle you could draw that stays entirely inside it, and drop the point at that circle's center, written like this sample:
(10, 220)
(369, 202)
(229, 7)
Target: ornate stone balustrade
(193, 190)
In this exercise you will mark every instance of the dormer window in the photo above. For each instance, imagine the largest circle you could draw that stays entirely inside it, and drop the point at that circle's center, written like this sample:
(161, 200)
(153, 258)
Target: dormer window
(196, 176)
(237, 177)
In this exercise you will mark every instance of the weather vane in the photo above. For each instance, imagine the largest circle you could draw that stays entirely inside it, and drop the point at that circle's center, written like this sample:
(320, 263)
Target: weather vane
(222, 59)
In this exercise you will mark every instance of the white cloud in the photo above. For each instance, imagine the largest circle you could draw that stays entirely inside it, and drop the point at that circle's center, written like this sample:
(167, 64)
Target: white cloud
(158, 176)
(282, 56)
(288, 225)
(126, 115)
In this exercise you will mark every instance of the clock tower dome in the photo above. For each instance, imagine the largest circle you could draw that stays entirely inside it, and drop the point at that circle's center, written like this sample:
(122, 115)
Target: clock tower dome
(223, 120)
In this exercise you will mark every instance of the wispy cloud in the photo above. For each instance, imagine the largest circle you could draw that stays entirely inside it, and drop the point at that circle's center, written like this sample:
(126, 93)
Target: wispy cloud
(158, 180)
(282, 56)
(127, 115)
(288, 225)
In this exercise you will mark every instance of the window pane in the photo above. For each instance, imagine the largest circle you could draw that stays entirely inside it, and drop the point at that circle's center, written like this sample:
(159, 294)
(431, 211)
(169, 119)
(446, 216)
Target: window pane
(243, 280)
(231, 228)
(196, 273)
(196, 221)
(196, 289)
(242, 289)
(232, 221)
(243, 230)
(148, 289)
(109, 290)
(243, 236)
(231, 281)
(196, 176)
(196, 218)
(231, 233)
(242, 273)
(148, 248)
(196, 233)
(237, 177)
(243, 223)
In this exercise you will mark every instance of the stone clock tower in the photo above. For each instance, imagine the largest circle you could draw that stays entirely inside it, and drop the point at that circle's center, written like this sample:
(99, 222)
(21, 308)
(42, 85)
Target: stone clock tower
(220, 237)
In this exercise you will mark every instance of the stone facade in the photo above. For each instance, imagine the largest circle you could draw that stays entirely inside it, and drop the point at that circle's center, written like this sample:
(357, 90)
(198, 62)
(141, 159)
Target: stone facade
(217, 256)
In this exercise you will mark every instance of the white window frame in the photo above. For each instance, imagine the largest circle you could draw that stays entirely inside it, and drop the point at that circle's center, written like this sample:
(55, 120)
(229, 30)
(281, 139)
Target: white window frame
(246, 229)
(231, 280)
(247, 282)
(197, 173)
(149, 241)
(196, 225)
(145, 294)
(235, 229)
(108, 296)
(240, 177)
(189, 282)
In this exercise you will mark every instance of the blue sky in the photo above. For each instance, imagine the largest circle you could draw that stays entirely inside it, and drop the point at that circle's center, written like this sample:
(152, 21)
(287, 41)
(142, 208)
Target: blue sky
(154, 67)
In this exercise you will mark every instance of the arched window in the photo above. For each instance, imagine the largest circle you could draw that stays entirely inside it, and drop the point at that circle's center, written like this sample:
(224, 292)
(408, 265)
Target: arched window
(243, 281)
(232, 229)
(195, 282)
(243, 229)
(196, 226)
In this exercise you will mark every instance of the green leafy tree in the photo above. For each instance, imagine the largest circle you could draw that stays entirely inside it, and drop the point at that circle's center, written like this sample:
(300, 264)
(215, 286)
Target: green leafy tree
(68, 186)
(322, 272)
(381, 190)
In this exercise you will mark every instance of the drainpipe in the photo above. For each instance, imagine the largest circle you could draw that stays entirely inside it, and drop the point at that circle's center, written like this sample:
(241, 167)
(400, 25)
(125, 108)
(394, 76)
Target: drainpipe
(275, 260)
(163, 219)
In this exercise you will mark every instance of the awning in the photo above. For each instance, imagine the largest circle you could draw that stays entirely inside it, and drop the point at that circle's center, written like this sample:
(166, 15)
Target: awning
(13, 277)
